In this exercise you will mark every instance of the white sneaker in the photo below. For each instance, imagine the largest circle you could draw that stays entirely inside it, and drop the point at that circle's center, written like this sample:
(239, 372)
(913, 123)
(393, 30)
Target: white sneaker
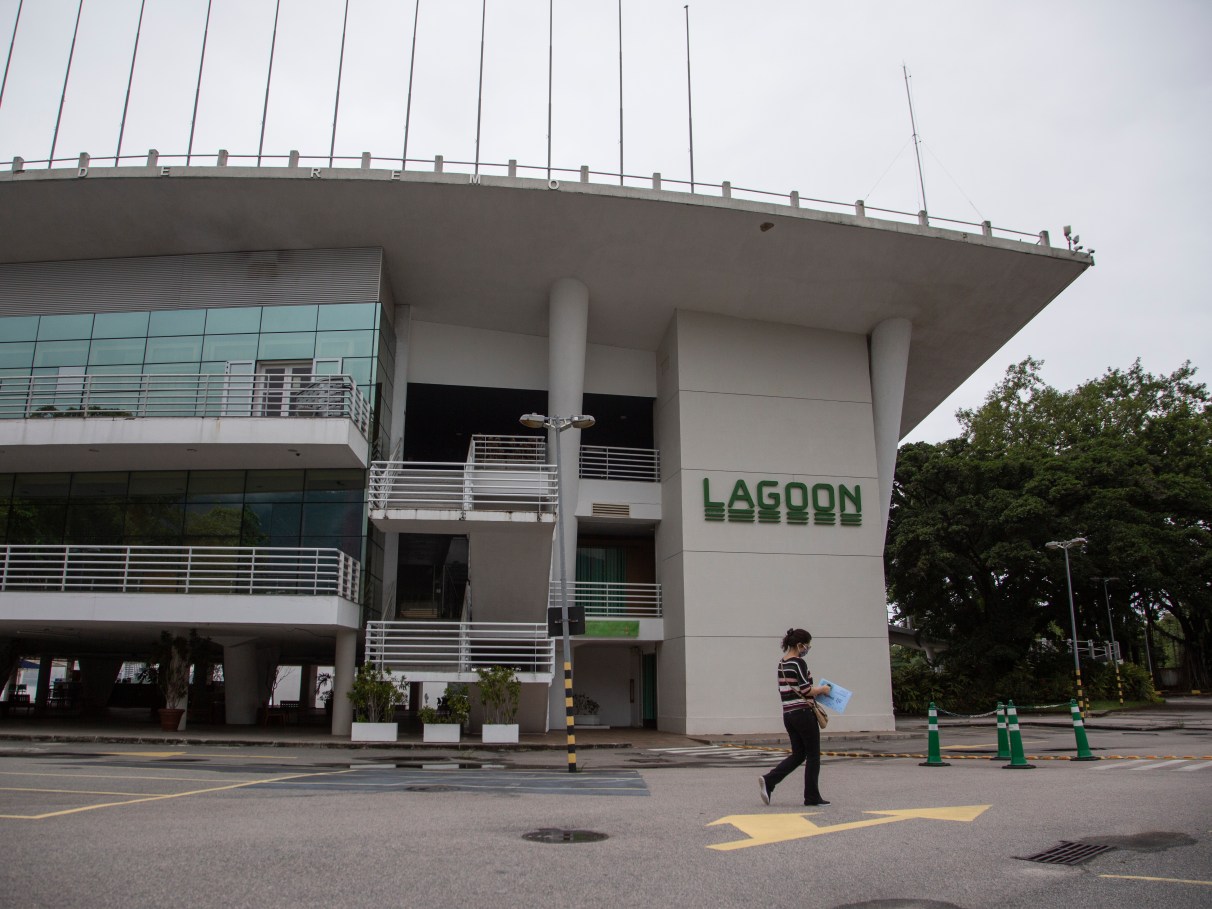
(763, 791)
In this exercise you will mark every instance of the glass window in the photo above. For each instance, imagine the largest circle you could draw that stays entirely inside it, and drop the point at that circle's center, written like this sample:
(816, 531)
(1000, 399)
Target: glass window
(236, 320)
(120, 325)
(110, 351)
(159, 484)
(333, 520)
(277, 522)
(61, 353)
(6, 485)
(95, 521)
(213, 525)
(41, 485)
(17, 356)
(359, 369)
(19, 328)
(274, 486)
(345, 343)
(347, 315)
(99, 485)
(230, 347)
(178, 349)
(294, 346)
(288, 318)
(41, 524)
(334, 486)
(65, 328)
(216, 486)
(155, 522)
(177, 322)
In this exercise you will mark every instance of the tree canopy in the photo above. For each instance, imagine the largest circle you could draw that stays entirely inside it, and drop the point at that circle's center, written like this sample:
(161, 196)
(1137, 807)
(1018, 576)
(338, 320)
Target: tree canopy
(1124, 460)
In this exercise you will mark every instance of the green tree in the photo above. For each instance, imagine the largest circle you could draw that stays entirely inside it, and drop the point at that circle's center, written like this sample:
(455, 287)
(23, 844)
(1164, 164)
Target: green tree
(1124, 460)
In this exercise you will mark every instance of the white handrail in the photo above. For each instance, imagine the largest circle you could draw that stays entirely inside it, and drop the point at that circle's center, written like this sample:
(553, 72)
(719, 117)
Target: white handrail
(603, 462)
(608, 599)
(137, 396)
(181, 569)
(460, 646)
(487, 486)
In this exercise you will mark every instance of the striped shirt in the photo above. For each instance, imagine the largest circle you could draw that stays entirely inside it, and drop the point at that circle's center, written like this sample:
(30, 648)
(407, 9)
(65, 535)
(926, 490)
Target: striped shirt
(795, 684)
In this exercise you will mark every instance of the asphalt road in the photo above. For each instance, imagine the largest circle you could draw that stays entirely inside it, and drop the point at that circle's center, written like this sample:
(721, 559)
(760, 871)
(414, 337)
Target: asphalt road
(125, 825)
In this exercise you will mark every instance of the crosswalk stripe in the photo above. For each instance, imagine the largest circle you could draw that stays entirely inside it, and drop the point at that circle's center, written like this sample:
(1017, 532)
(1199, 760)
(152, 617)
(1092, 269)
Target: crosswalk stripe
(1197, 765)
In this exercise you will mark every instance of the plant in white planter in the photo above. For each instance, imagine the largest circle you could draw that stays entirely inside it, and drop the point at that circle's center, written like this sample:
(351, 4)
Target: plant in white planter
(500, 692)
(586, 710)
(445, 722)
(375, 695)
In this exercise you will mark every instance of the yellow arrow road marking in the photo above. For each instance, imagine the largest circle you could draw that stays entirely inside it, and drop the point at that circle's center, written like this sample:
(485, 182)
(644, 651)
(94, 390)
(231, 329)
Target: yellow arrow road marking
(764, 829)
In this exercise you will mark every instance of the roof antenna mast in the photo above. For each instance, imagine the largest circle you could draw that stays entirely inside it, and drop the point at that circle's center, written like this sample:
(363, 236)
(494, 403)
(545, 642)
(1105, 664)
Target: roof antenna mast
(916, 142)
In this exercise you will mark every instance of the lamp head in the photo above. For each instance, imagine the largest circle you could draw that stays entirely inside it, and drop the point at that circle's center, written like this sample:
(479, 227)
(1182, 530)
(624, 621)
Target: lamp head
(533, 420)
(582, 421)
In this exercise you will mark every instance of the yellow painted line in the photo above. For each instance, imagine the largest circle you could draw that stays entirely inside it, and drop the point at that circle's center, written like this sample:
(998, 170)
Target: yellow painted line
(764, 829)
(163, 754)
(1162, 880)
(68, 791)
(110, 776)
(175, 795)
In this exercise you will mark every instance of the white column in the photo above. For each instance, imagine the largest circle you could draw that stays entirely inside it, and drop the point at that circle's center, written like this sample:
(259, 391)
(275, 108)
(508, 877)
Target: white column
(342, 681)
(889, 363)
(567, 333)
(399, 409)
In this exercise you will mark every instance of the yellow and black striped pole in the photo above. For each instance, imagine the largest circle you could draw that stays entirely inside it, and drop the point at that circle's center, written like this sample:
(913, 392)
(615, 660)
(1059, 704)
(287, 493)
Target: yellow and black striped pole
(569, 718)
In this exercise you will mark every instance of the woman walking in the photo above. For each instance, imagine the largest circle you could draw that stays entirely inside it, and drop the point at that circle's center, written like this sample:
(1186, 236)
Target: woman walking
(799, 717)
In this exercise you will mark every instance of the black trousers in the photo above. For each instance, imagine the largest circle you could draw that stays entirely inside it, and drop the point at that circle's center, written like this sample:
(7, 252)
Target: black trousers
(805, 747)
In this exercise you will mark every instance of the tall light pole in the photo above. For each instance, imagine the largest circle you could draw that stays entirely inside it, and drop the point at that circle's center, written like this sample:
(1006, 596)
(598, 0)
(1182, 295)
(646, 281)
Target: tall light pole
(1066, 545)
(1111, 633)
(557, 425)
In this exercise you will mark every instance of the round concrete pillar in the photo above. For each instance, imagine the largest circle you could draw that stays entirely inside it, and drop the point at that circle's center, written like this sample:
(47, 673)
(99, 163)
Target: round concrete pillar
(567, 334)
(889, 363)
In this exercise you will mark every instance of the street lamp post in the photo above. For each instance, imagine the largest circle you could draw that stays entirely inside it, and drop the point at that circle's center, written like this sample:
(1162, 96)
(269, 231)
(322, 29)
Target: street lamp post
(1111, 636)
(1066, 545)
(558, 425)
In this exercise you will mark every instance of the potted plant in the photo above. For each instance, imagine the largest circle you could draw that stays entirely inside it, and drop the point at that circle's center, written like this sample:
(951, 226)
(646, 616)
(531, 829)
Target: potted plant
(375, 695)
(500, 692)
(444, 722)
(173, 656)
(586, 710)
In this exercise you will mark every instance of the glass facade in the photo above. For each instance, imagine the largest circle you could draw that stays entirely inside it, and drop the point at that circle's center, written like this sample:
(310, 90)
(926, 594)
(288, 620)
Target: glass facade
(197, 341)
(293, 508)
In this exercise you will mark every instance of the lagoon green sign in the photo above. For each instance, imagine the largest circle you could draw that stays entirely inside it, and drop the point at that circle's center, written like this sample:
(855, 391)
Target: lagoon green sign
(769, 500)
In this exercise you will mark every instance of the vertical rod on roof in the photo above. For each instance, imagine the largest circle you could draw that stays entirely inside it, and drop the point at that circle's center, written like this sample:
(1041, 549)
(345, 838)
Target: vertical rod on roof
(416, 14)
(550, 69)
(336, 107)
(480, 92)
(916, 149)
(689, 100)
(11, 43)
(129, 81)
(621, 170)
(273, 44)
(198, 91)
(62, 98)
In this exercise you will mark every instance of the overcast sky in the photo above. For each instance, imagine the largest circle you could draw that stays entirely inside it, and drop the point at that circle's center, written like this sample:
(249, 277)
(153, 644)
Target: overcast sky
(1032, 114)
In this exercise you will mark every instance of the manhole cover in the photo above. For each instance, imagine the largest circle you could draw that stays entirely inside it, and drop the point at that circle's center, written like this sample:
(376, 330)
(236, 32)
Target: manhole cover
(560, 835)
(1066, 853)
(431, 788)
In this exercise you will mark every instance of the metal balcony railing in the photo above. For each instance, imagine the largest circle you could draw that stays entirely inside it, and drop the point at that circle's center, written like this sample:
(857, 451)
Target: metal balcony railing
(507, 450)
(488, 486)
(460, 646)
(608, 600)
(141, 396)
(609, 463)
(180, 569)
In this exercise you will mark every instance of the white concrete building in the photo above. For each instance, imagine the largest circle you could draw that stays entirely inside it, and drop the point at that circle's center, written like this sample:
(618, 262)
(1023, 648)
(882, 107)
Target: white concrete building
(751, 367)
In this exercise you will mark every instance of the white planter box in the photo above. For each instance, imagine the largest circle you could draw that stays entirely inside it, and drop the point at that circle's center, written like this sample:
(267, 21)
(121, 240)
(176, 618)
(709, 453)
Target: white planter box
(499, 733)
(587, 719)
(374, 732)
(441, 732)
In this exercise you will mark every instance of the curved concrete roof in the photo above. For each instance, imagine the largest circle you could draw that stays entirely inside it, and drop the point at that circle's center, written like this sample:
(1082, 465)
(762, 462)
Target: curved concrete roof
(486, 255)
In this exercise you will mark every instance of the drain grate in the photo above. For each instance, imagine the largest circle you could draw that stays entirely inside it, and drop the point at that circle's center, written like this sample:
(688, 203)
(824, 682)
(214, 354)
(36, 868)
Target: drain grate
(1066, 853)
(559, 835)
(431, 788)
